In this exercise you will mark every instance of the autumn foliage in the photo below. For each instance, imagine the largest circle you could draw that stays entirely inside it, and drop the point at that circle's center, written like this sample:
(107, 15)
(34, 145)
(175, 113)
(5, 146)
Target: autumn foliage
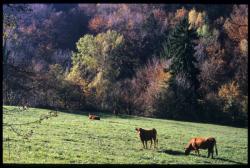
(187, 62)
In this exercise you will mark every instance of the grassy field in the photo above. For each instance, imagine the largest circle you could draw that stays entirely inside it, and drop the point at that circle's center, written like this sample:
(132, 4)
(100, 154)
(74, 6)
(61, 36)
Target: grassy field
(72, 138)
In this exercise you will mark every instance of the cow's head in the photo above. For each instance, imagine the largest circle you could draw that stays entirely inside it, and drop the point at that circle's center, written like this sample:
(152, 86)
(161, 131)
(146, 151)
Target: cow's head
(138, 129)
(187, 149)
(90, 116)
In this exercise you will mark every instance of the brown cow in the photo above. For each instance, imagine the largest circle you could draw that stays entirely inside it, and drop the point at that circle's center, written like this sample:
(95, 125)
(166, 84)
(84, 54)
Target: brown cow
(93, 117)
(201, 143)
(147, 135)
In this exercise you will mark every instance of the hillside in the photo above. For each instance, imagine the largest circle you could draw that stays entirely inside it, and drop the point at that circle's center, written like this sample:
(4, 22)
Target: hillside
(73, 138)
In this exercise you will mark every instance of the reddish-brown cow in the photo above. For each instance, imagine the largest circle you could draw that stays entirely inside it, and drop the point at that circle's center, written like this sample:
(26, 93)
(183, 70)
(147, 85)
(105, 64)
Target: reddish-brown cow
(201, 143)
(94, 117)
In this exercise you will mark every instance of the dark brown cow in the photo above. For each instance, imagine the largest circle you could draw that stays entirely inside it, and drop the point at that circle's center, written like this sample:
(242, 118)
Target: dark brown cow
(201, 143)
(147, 135)
(94, 117)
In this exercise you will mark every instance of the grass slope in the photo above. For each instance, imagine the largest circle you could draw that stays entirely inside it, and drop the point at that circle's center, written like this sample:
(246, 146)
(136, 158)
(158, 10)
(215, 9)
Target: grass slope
(72, 138)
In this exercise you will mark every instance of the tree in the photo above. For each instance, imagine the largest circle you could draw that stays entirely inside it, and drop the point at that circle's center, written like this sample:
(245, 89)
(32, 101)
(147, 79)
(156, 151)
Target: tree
(98, 63)
(97, 24)
(152, 37)
(147, 85)
(192, 17)
(181, 13)
(237, 25)
(183, 86)
(9, 34)
(180, 49)
(230, 94)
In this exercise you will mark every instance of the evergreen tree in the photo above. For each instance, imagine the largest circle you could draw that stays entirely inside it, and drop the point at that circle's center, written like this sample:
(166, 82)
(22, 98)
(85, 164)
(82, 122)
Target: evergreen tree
(179, 47)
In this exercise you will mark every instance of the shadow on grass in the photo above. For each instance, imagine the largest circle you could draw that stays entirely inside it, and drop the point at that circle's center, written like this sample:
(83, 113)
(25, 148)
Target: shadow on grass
(180, 153)
(218, 158)
(227, 160)
(171, 152)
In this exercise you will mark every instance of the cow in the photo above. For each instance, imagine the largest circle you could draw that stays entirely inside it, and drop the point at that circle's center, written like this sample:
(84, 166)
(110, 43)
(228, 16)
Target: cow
(201, 143)
(93, 117)
(147, 135)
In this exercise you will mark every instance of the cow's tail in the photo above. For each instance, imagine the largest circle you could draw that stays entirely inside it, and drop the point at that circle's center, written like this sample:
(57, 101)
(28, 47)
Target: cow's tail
(156, 139)
(216, 148)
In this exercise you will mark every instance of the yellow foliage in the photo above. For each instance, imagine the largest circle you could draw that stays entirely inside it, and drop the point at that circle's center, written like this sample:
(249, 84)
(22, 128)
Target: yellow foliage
(196, 19)
(229, 91)
(108, 41)
(97, 80)
(200, 20)
(75, 78)
(192, 16)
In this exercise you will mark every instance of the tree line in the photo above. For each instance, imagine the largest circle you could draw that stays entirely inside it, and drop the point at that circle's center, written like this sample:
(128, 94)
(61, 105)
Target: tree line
(184, 62)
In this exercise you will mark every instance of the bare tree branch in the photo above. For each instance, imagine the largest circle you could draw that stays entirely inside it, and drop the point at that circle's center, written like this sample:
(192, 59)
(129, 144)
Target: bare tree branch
(42, 117)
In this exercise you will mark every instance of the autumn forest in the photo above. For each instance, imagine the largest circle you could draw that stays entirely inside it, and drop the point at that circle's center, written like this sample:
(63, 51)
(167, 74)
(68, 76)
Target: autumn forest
(185, 62)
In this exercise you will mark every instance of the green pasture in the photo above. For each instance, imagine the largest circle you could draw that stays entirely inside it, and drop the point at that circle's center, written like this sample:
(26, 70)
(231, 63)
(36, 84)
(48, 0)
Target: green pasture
(72, 138)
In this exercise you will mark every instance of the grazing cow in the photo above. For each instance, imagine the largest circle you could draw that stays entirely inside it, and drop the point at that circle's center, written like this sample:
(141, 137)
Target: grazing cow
(201, 143)
(147, 135)
(94, 117)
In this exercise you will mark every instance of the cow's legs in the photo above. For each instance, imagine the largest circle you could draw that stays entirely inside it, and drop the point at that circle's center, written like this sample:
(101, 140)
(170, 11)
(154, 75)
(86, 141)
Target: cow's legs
(196, 149)
(143, 144)
(151, 143)
(208, 155)
(146, 144)
(212, 151)
(198, 152)
(155, 142)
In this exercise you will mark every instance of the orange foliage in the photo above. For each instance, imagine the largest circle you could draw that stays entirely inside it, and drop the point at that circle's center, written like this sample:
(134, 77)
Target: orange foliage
(148, 84)
(180, 13)
(97, 23)
(237, 25)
